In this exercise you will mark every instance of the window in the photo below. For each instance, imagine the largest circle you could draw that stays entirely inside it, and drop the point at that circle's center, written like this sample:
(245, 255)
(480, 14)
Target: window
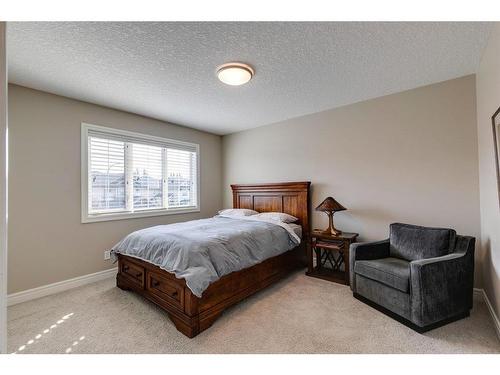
(127, 175)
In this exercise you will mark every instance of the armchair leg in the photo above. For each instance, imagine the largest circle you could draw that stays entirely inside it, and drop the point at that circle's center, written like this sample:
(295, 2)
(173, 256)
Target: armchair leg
(405, 321)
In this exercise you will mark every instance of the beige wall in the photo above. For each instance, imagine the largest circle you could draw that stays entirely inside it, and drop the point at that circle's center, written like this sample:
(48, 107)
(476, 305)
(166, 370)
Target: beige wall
(47, 242)
(409, 157)
(488, 101)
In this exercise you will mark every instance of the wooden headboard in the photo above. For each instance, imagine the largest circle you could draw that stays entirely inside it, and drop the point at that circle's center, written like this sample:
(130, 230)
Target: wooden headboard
(288, 197)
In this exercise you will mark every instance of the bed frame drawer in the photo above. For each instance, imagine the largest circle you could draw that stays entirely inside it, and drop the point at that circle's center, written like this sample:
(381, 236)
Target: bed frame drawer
(165, 289)
(133, 272)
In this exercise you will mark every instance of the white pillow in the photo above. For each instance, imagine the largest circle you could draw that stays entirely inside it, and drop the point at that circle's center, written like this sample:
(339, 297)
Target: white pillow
(237, 212)
(277, 216)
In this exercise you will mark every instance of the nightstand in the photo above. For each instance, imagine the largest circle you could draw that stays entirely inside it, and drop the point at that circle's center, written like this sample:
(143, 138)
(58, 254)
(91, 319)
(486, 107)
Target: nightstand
(332, 256)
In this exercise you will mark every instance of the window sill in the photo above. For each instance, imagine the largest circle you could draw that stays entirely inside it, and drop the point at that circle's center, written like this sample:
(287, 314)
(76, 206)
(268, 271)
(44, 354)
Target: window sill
(136, 215)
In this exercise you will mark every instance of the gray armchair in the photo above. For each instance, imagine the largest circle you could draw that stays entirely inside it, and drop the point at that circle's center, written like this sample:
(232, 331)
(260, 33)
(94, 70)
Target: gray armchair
(423, 277)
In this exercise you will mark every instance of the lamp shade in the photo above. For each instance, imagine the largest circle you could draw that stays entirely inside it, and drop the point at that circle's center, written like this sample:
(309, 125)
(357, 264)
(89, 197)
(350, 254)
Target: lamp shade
(330, 205)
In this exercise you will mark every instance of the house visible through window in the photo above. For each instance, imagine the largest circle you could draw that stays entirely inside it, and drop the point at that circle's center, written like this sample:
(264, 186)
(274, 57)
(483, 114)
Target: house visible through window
(126, 174)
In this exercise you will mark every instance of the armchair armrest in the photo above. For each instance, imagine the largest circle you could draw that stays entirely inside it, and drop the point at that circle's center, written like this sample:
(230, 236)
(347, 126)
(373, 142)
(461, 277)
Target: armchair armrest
(442, 287)
(366, 251)
(369, 250)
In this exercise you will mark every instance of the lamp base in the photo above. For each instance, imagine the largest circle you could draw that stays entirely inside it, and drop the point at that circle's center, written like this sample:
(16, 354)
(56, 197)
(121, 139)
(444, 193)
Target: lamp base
(332, 232)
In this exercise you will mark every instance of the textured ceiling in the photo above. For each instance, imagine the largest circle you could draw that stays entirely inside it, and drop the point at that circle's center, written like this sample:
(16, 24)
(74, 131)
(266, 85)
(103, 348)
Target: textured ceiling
(167, 70)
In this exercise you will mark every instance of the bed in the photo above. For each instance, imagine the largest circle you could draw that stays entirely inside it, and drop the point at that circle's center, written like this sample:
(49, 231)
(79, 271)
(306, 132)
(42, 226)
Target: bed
(192, 314)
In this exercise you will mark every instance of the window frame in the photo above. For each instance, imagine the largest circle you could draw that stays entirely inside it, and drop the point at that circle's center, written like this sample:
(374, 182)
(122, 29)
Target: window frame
(87, 217)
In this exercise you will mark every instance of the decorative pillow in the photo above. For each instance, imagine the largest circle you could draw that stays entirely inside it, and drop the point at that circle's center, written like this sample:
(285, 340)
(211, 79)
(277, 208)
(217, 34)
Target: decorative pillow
(277, 216)
(237, 212)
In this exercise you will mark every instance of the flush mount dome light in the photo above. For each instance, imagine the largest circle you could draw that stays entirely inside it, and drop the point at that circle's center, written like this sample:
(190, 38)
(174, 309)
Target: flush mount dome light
(235, 74)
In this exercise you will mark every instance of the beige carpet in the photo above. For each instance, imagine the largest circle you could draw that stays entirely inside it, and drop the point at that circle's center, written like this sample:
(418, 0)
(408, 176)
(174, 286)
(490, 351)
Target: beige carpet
(298, 315)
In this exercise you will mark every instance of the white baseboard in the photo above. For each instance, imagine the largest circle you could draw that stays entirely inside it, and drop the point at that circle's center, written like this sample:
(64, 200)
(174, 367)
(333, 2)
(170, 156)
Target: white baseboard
(46, 290)
(481, 293)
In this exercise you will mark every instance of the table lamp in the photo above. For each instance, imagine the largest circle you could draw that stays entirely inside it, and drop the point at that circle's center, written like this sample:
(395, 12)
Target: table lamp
(330, 206)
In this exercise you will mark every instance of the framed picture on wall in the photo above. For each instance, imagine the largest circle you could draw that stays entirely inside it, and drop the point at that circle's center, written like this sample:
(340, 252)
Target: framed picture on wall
(496, 140)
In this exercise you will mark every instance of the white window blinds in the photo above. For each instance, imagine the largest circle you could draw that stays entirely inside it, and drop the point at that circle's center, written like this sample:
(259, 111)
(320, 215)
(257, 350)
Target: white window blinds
(130, 174)
(147, 175)
(106, 175)
(181, 178)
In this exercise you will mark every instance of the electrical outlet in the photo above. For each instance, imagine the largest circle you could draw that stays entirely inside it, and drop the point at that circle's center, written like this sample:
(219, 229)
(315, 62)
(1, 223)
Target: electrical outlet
(107, 255)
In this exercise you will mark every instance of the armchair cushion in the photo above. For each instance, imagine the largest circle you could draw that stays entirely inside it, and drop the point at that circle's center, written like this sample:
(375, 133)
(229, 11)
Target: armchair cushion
(393, 272)
(413, 242)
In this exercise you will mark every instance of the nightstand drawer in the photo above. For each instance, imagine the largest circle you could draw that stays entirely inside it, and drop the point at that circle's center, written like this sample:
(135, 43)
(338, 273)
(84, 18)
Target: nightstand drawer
(330, 245)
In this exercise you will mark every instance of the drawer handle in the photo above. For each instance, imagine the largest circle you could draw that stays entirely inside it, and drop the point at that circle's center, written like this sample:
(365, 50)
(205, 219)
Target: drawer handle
(174, 294)
(156, 283)
(125, 268)
(138, 274)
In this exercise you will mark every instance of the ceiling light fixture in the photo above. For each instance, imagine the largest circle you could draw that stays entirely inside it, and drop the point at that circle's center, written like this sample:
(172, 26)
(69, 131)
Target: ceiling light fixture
(234, 73)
